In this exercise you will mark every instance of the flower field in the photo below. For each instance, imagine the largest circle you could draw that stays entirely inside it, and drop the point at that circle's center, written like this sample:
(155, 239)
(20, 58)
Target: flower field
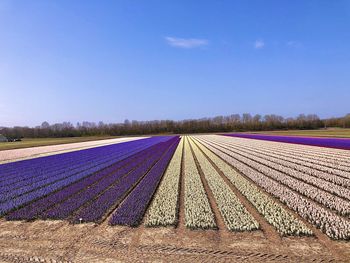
(202, 182)
(338, 143)
(39, 151)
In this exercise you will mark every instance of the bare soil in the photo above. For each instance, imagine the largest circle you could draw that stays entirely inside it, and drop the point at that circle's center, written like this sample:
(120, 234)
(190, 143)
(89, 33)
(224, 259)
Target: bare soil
(59, 241)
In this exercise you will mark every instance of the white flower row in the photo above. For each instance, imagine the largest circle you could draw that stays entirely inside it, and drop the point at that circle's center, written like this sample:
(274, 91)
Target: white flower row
(163, 210)
(235, 215)
(284, 222)
(324, 151)
(198, 213)
(331, 201)
(331, 224)
(335, 166)
(336, 162)
(285, 167)
(290, 162)
(336, 156)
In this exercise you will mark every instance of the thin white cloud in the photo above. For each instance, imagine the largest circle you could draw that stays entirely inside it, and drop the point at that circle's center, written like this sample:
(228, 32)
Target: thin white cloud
(259, 44)
(186, 42)
(294, 44)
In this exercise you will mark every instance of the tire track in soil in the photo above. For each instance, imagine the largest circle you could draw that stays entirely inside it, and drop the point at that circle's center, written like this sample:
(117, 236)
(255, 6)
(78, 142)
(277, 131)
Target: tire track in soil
(324, 240)
(197, 254)
(108, 247)
(269, 231)
(217, 256)
(14, 258)
(177, 254)
(73, 247)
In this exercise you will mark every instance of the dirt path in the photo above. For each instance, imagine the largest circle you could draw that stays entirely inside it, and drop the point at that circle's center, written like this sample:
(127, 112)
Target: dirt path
(63, 242)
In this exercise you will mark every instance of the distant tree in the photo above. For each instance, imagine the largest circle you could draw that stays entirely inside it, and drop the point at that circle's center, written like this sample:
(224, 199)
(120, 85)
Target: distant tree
(233, 122)
(246, 118)
(346, 121)
(45, 125)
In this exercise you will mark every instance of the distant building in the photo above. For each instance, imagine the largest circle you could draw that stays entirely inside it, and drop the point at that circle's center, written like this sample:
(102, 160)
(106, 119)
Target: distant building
(3, 138)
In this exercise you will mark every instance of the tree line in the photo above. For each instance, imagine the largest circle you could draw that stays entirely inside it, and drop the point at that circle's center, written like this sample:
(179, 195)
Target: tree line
(230, 123)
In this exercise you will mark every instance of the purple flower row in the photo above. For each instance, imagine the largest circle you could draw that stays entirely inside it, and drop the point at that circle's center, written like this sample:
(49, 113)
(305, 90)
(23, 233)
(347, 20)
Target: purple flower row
(339, 143)
(66, 208)
(27, 185)
(41, 164)
(133, 208)
(36, 208)
(23, 199)
(21, 170)
(13, 193)
(57, 167)
(95, 211)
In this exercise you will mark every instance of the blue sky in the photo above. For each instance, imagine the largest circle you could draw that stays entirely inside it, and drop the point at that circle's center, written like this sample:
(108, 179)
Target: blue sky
(144, 60)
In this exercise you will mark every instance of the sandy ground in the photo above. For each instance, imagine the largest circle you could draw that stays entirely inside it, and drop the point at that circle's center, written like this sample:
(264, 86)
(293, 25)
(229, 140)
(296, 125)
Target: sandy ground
(34, 152)
(59, 241)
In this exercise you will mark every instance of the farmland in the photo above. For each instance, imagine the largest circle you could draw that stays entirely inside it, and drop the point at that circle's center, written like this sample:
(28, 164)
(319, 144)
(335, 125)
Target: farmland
(37, 142)
(329, 132)
(338, 143)
(188, 198)
(10, 155)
